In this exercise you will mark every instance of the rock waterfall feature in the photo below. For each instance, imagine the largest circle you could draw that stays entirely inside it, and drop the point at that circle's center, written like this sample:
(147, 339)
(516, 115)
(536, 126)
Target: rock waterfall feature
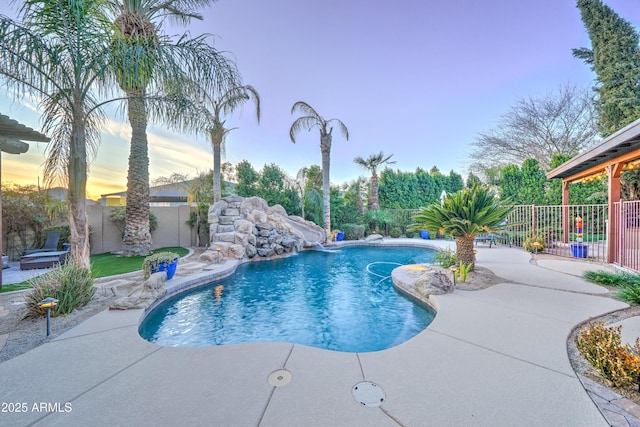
(248, 227)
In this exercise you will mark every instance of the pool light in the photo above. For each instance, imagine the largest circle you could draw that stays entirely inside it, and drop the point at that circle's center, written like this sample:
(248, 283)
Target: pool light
(47, 303)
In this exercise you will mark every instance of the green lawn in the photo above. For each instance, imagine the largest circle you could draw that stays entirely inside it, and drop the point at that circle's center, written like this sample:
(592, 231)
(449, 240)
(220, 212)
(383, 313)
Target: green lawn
(104, 265)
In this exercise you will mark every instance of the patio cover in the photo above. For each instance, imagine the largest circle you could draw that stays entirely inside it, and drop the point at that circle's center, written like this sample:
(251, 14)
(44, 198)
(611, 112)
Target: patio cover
(11, 135)
(612, 156)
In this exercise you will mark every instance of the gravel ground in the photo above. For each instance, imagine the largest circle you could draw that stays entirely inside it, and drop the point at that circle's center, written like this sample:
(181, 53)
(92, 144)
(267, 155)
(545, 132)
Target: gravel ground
(26, 334)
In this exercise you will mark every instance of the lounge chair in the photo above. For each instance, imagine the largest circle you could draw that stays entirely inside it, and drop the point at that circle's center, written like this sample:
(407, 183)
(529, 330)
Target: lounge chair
(50, 245)
(492, 239)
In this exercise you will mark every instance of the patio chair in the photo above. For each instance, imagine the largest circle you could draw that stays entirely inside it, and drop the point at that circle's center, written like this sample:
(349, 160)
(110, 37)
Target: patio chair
(50, 245)
(493, 238)
(485, 238)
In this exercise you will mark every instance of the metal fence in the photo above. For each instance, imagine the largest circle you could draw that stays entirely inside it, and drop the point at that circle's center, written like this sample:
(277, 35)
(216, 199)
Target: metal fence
(558, 227)
(402, 218)
(557, 230)
(626, 244)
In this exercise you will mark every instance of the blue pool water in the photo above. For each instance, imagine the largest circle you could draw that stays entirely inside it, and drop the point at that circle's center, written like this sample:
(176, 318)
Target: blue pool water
(341, 300)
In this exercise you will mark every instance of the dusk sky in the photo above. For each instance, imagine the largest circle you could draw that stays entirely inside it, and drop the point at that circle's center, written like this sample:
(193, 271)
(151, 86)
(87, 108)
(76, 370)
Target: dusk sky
(417, 79)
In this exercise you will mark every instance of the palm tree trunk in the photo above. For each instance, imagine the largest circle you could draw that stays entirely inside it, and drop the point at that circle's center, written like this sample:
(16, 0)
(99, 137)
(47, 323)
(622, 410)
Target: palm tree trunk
(373, 193)
(216, 144)
(325, 149)
(76, 195)
(464, 250)
(137, 238)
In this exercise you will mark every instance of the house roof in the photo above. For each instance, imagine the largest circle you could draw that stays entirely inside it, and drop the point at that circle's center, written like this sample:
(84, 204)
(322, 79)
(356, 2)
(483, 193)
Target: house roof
(166, 191)
(621, 144)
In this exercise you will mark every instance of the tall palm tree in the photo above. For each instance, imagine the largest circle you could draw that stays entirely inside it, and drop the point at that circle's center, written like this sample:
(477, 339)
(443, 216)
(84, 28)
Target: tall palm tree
(372, 163)
(60, 56)
(148, 63)
(310, 119)
(464, 215)
(356, 186)
(220, 106)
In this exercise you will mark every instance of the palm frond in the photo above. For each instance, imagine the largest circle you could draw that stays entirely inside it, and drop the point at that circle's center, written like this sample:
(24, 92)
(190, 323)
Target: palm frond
(464, 214)
(343, 129)
(306, 110)
(305, 122)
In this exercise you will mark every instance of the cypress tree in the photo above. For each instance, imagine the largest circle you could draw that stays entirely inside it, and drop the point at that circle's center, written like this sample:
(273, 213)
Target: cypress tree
(615, 58)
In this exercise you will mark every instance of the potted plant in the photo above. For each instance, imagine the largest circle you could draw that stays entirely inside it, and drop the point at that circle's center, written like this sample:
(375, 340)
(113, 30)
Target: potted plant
(160, 261)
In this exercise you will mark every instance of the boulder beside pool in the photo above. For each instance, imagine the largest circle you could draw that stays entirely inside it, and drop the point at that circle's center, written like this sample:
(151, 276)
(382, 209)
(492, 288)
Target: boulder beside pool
(421, 280)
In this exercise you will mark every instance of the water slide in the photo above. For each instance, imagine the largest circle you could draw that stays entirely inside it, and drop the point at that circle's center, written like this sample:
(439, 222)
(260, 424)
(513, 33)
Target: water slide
(311, 234)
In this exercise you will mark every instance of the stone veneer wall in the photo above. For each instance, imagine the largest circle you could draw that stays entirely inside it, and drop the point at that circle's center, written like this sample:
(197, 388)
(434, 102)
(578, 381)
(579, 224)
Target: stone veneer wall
(249, 227)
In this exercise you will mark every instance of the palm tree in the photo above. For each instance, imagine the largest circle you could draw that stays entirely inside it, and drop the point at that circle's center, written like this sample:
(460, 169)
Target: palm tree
(225, 104)
(310, 119)
(356, 187)
(60, 56)
(150, 64)
(372, 163)
(464, 215)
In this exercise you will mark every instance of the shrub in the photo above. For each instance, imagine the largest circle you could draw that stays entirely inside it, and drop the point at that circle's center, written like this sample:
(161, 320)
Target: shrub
(200, 221)
(530, 244)
(71, 284)
(353, 231)
(603, 348)
(152, 262)
(445, 258)
(603, 277)
(464, 271)
(395, 232)
(630, 293)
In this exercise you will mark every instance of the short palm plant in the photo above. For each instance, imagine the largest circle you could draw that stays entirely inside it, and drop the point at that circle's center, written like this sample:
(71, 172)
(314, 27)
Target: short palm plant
(464, 215)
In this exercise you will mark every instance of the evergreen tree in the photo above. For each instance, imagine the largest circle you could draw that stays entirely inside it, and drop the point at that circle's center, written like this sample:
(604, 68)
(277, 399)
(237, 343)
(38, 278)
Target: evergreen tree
(247, 179)
(472, 180)
(525, 185)
(455, 182)
(615, 58)
(580, 193)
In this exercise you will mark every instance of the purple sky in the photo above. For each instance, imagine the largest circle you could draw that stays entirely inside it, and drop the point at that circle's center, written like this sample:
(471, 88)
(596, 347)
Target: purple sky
(416, 79)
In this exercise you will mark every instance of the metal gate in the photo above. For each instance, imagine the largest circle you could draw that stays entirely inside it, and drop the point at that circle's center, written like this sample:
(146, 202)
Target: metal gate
(626, 223)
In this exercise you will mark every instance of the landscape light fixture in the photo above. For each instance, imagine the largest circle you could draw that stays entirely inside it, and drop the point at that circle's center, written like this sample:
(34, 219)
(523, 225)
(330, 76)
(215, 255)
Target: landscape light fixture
(48, 303)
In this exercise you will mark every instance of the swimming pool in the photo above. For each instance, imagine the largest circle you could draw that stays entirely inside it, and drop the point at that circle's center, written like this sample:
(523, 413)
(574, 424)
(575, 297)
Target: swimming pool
(341, 300)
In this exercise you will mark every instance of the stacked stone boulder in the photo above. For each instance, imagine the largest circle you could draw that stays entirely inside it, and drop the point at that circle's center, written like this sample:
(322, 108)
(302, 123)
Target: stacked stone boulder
(248, 227)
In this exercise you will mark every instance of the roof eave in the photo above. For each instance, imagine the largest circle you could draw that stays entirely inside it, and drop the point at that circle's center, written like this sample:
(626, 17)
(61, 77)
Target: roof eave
(625, 134)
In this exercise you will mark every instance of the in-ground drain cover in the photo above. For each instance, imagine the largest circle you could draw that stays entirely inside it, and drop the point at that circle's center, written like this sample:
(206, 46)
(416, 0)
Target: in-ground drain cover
(369, 394)
(279, 378)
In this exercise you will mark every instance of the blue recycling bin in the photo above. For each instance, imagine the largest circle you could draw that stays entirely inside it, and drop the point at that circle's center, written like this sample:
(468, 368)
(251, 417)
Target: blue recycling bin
(579, 250)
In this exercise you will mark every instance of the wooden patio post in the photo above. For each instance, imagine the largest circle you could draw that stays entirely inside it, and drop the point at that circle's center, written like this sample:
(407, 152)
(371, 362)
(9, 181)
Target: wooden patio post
(614, 170)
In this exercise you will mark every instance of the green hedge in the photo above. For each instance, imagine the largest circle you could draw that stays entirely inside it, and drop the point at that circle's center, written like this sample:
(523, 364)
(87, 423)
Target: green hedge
(353, 231)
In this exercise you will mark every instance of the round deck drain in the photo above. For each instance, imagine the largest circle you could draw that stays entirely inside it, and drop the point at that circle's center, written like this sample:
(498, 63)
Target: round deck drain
(279, 377)
(368, 394)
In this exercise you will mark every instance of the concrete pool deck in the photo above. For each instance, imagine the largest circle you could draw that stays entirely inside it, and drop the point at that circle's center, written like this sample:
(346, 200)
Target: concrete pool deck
(494, 357)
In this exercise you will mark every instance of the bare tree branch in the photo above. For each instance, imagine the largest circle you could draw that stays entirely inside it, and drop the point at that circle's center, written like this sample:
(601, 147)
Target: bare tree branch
(563, 122)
